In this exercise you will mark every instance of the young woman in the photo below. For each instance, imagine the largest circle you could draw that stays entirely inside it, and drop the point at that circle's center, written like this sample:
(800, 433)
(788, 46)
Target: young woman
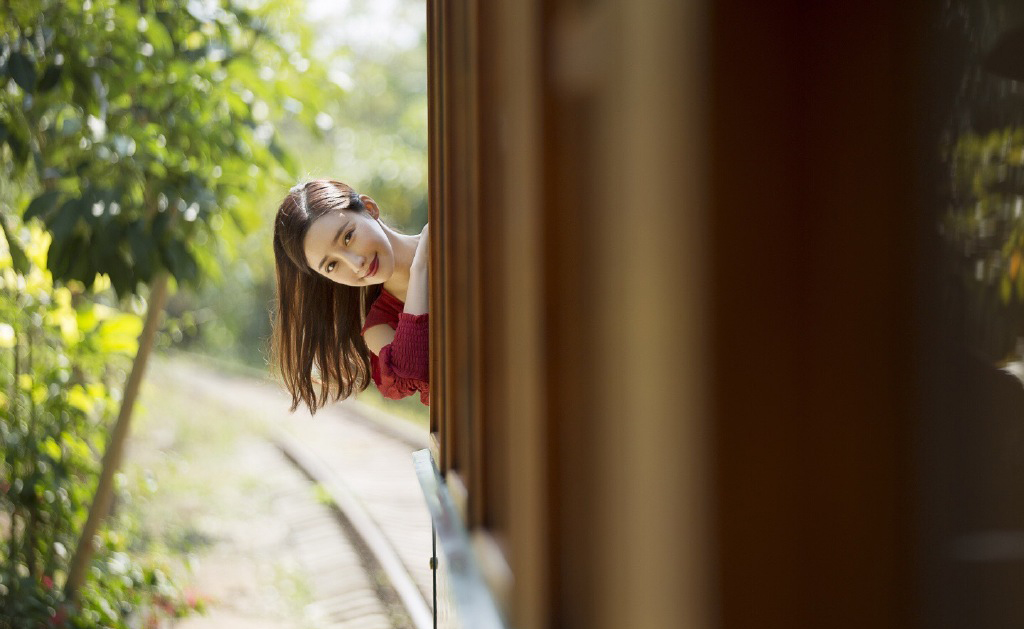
(351, 298)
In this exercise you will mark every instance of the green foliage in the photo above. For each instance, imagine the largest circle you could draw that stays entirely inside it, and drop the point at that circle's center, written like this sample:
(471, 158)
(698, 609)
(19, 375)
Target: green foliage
(135, 136)
(989, 180)
(63, 360)
(376, 140)
(981, 176)
(143, 127)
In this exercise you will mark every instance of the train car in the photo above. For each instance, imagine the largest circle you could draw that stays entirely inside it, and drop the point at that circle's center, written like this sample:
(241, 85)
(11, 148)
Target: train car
(689, 368)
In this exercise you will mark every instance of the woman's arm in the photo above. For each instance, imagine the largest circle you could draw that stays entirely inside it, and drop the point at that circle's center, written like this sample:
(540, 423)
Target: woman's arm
(378, 336)
(416, 298)
(403, 367)
(402, 364)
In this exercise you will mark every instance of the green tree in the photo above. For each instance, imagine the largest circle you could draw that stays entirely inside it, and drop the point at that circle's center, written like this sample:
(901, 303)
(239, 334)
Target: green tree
(61, 361)
(138, 131)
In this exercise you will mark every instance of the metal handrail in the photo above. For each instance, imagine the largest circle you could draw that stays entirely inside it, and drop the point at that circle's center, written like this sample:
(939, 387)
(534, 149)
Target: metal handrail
(476, 605)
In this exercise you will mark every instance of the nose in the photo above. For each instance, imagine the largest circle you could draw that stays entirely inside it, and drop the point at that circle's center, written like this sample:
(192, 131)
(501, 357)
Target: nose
(354, 261)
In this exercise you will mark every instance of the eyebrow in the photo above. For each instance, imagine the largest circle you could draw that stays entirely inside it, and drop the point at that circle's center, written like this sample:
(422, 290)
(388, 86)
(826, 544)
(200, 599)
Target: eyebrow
(335, 241)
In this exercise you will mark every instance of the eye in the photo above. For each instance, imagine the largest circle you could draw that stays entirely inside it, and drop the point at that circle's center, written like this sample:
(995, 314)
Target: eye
(330, 267)
(348, 236)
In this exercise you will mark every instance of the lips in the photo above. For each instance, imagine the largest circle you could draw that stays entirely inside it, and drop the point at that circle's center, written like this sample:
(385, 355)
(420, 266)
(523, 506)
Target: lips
(373, 267)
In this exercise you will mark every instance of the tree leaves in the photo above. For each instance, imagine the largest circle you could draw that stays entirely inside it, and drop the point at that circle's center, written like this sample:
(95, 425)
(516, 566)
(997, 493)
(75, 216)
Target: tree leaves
(54, 416)
(50, 77)
(41, 206)
(17, 140)
(23, 71)
(18, 258)
(142, 249)
(63, 221)
(158, 37)
(119, 333)
(179, 261)
(140, 100)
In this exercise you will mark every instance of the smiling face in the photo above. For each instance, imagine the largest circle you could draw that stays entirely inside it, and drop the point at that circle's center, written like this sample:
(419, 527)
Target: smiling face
(350, 247)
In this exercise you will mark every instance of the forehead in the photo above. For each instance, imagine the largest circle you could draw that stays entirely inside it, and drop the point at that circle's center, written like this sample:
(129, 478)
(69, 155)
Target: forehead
(320, 236)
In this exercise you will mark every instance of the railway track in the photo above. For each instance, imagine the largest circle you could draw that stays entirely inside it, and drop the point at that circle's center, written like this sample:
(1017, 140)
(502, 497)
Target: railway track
(361, 463)
(391, 573)
(347, 591)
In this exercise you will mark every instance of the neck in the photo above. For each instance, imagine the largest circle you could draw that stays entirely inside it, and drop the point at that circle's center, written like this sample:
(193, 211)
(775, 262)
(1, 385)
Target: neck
(404, 247)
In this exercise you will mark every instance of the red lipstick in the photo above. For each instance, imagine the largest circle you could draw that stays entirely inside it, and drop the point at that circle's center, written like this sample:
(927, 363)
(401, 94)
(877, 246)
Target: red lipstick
(373, 267)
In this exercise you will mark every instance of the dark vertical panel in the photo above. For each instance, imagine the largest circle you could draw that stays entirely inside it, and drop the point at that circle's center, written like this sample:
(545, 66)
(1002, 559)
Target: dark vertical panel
(448, 428)
(462, 373)
(813, 235)
(454, 336)
(463, 277)
(436, 209)
(569, 312)
(492, 409)
(570, 151)
(476, 328)
(520, 27)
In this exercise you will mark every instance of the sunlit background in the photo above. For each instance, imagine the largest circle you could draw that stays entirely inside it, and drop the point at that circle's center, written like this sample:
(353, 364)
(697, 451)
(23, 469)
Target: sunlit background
(363, 67)
(138, 137)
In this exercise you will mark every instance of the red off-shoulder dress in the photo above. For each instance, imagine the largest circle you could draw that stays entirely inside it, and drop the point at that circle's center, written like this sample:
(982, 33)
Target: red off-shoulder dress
(403, 366)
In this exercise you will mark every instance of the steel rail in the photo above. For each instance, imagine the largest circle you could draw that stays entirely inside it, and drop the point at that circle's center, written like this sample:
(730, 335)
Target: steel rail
(345, 500)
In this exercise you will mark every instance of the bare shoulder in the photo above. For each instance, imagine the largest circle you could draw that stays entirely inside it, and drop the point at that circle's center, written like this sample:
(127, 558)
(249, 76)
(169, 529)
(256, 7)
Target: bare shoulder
(378, 336)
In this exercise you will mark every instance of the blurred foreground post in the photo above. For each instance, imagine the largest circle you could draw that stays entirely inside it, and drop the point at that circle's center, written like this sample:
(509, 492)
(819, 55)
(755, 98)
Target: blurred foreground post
(115, 446)
(677, 357)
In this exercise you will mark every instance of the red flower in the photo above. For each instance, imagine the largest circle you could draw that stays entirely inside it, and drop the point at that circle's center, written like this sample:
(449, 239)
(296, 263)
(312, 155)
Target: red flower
(194, 599)
(47, 582)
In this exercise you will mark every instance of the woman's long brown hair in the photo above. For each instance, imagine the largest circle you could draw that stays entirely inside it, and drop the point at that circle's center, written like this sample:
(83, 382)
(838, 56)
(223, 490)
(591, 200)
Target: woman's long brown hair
(317, 338)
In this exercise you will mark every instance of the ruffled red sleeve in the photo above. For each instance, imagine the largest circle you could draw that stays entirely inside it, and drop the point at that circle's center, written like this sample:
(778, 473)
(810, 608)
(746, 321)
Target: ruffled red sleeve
(403, 366)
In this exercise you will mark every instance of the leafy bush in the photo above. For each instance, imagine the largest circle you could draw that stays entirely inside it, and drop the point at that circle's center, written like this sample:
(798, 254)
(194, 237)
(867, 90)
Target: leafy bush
(138, 134)
(63, 360)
